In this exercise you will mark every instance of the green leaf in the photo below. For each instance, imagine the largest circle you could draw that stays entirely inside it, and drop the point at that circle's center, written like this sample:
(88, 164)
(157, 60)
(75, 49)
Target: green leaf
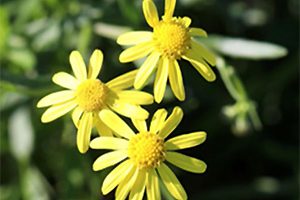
(23, 58)
(244, 48)
(21, 134)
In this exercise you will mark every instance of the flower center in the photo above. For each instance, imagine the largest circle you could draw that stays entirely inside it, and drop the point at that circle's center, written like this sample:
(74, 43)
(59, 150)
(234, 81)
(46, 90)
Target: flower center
(91, 95)
(146, 150)
(171, 38)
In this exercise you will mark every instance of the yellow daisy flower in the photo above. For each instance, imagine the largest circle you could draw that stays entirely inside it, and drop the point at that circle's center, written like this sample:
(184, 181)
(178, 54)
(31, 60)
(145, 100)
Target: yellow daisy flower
(87, 96)
(171, 40)
(144, 155)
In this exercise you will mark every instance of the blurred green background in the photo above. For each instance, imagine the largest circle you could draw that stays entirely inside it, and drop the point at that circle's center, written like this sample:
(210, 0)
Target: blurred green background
(245, 161)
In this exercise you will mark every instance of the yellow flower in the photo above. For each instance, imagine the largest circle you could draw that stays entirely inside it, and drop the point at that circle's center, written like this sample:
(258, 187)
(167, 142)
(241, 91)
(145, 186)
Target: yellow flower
(144, 154)
(171, 40)
(87, 96)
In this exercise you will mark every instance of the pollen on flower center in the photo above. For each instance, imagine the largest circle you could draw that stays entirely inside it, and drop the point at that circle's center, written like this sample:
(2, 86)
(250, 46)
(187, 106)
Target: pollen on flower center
(91, 95)
(171, 38)
(146, 150)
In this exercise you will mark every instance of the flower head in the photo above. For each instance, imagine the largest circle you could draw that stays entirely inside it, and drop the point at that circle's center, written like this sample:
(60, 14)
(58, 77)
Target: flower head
(143, 155)
(87, 96)
(171, 40)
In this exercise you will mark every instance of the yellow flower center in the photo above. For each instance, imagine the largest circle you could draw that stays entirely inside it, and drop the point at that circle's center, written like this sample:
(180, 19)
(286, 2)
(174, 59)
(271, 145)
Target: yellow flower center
(171, 38)
(91, 95)
(146, 150)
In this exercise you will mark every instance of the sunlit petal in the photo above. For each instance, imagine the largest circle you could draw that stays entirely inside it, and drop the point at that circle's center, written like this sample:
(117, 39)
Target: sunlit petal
(171, 123)
(78, 65)
(95, 64)
(146, 70)
(160, 82)
(186, 162)
(134, 37)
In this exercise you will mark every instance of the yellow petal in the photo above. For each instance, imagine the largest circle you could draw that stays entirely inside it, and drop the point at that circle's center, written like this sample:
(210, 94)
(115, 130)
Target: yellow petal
(129, 110)
(160, 82)
(95, 64)
(186, 162)
(57, 111)
(65, 80)
(158, 120)
(102, 129)
(137, 191)
(198, 32)
(171, 123)
(176, 81)
(104, 142)
(78, 65)
(56, 98)
(150, 12)
(200, 65)
(126, 185)
(186, 21)
(146, 70)
(109, 159)
(76, 114)
(185, 141)
(115, 123)
(140, 125)
(122, 82)
(169, 9)
(134, 37)
(171, 182)
(135, 97)
(153, 192)
(116, 176)
(136, 52)
(84, 132)
(204, 52)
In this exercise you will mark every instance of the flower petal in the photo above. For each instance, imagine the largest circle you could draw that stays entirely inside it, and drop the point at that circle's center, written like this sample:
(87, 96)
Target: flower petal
(186, 162)
(176, 81)
(57, 111)
(116, 176)
(134, 37)
(65, 80)
(76, 114)
(102, 129)
(203, 68)
(185, 141)
(160, 82)
(56, 98)
(171, 123)
(158, 120)
(124, 81)
(129, 110)
(140, 125)
(146, 70)
(78, 65)
(169, 8)
(171, 182)
(104, 142)
(115, 123)
(150, 12)
(135, 97)
(95, 64)
(201, 51)
(186, 21)
(198, 32)
(136, 52)
(137, 191)
(126, 185)
(109, 159)
(153, 192)
(84, 132)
